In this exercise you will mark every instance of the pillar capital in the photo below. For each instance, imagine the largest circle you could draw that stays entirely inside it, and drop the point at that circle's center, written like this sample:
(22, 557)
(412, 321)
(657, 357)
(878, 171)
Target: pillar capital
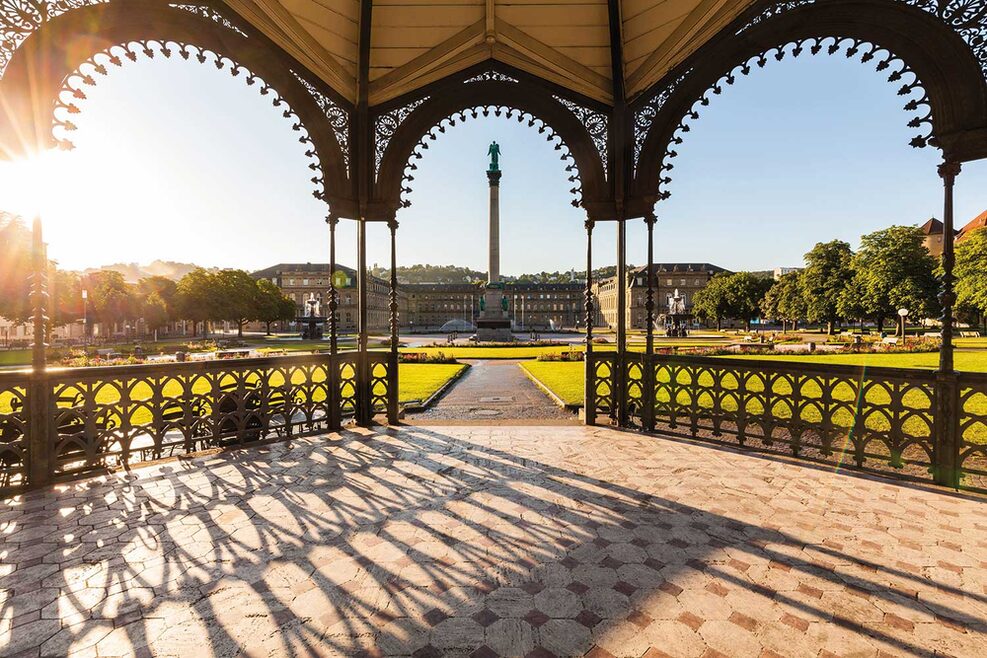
(949, 170)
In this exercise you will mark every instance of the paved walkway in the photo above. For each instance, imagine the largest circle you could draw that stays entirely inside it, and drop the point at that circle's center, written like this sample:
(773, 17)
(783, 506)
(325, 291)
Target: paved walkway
(474, 541)
(493, 391)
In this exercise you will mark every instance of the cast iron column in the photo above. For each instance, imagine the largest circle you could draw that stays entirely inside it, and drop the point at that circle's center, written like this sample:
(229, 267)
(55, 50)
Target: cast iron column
(335, 414)
(648, 403)
(392, 366)
(333, 293)
(38, 454)
(619, 408)
(947, 380)
(364, 412)
(589, 394)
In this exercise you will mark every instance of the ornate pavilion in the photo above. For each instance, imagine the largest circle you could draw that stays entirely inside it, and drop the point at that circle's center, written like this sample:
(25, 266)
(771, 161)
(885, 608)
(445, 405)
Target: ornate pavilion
(614, 85)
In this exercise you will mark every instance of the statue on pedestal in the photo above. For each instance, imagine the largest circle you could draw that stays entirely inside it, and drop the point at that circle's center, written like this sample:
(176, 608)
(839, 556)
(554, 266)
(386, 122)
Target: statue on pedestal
(494, 153)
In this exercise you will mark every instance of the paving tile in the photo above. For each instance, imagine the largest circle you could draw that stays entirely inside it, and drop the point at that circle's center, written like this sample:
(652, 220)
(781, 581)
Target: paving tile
(491, 541)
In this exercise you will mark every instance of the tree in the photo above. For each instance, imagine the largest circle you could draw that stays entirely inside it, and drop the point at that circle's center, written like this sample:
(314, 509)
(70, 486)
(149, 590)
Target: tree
(784, 300)
(744, 292)
(828, 271)
(238, 297)
(971, 274)
(196, 298)
(111, 299)
(157, 296)
(273, 306)
(15, 268)
(892, 270)
(711, 304)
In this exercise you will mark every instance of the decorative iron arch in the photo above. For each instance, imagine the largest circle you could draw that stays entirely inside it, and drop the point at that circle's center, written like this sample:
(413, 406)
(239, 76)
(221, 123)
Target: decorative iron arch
(47, 70)
(918, 49)
(580, 132)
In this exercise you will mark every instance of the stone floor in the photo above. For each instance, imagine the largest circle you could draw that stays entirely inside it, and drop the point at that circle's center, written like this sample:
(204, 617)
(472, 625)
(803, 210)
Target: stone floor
(481, 541)
(493, 391)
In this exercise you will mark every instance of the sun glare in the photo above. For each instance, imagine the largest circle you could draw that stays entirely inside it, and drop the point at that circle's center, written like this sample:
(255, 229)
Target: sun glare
(28, 186)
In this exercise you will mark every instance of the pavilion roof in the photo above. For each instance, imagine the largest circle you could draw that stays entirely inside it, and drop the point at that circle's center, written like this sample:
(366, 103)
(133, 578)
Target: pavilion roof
(977, 222)
(414, 42)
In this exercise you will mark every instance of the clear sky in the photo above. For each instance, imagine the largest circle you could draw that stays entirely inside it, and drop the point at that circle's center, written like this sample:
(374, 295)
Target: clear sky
(180, 161)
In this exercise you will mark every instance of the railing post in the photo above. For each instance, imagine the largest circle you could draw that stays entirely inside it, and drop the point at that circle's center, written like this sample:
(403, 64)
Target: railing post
(589, 394)
(392, 363)
(619, 411)
(39, 454)
(364, 413)
(332, 220)
(947, 422)
(648, 385)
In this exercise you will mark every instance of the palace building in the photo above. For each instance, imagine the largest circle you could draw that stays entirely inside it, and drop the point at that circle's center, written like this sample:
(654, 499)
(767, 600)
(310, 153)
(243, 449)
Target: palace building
(687, 278)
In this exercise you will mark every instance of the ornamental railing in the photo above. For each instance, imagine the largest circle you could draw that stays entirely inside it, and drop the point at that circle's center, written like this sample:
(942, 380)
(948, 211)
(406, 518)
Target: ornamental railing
(71, 421)
(890, 420)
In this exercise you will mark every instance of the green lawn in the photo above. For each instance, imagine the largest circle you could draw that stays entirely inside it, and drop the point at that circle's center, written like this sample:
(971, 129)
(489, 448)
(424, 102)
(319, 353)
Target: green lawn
(15, 357)
(564, 378)
(418, 381)
(497, 352)
(965, 361)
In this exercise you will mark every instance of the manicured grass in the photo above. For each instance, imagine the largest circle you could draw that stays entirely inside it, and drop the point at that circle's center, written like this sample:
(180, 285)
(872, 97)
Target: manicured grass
(564, 378)
(15, 357)
(965, 361)
(496, 352)
(418, 381)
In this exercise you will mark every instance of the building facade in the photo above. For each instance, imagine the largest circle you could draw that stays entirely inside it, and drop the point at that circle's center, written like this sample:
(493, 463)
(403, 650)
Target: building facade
(530, 306)
(300, 281)
(687, 278)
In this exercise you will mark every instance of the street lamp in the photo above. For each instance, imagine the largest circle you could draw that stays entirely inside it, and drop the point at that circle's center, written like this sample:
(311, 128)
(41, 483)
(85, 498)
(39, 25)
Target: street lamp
(902, 314)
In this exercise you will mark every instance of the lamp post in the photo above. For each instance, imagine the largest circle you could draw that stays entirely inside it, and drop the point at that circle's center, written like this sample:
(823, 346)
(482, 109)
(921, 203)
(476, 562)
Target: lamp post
(85, 316)
(902, 315)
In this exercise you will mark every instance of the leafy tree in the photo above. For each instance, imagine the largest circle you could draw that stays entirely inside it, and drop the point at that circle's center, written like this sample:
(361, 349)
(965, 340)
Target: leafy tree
(155, 311)
(828, 271)
(238, 297)
(784, 300)
(196, 298)
(744, 292)
(892, 270)
(111, 299)
(712, 304)
(971, 274)
(15, 268)
(157, 297)
(273, 306)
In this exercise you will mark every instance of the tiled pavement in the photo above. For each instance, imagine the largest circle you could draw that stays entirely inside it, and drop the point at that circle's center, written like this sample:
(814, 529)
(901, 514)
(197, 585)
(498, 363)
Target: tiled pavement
(479, 541)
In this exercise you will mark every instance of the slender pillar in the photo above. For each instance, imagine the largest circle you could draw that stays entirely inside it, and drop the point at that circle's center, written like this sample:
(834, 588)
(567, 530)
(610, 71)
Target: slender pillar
(493, 271)
(648, 403)
(948, 440)
(364, 412)
(589, 395)
(332, 220)
(392, 370)
(619, 410)
(38, 448)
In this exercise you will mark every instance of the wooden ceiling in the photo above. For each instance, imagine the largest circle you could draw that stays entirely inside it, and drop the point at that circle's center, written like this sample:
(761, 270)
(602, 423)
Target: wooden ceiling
(414, 42)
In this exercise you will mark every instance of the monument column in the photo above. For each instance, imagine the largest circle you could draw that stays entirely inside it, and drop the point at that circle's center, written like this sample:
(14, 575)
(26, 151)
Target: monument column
(493, 270)
(493, 323)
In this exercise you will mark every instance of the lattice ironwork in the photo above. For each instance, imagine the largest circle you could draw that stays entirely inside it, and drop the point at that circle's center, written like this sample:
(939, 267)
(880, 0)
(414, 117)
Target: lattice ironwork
(13, 430)
(112, 416)
(634, 386)
(490, 76)
(968, 18)
(497, 110)
(973, 431)
(337, 116)
(387, 124)
(379, 380)
(596, 125)
(347, 372)
(882, 419)
(211, 14)
(603, 376)
(899, 72)
(19, 19)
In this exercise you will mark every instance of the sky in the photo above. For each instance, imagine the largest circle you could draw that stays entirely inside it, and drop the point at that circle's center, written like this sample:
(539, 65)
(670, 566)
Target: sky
(179, 161)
